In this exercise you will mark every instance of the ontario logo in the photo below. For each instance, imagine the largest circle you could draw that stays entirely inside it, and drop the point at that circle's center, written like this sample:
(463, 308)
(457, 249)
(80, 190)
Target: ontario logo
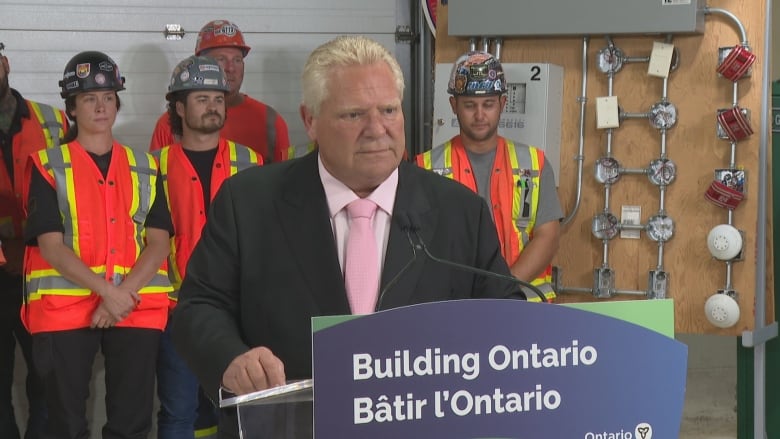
(643, 430)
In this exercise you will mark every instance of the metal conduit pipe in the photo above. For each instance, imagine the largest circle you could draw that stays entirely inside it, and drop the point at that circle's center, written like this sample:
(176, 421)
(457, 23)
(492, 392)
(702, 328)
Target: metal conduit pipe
(607, 187)
(630, 292)
(742, 32)
(485, 44)
(498, 43)
(629, 59)
(662, 188)
(580, 157)
(627, 115)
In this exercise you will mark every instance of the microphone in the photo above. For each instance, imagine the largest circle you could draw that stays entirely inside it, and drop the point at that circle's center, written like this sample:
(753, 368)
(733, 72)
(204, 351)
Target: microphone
(414, 228)
(403, 221)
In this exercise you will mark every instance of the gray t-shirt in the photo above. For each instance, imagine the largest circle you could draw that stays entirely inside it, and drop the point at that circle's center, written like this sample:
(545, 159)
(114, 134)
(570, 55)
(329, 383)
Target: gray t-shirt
(549, 208)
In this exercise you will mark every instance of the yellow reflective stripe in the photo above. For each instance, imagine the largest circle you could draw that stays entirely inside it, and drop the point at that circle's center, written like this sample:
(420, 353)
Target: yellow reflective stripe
(143, 173)
(233, 158)
(70, 184)
(302, 150)
(97, 269)
(42, 121)
(163, 155)
(517, 193)
(58, 163)
(206, 432)
(544, 286)
(537, 179)
(439, 160)
(448, 160)
(513, 152)
(60, 120)
(51, 123)
(44, 158)
(543, 283)
(296, 151)
(49, 281)
(136, 202)
(241, 157)
(427, 160)
(158, 284)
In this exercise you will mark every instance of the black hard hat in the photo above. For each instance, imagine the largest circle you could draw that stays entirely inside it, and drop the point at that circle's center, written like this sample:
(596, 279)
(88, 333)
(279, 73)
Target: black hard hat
(90, 71)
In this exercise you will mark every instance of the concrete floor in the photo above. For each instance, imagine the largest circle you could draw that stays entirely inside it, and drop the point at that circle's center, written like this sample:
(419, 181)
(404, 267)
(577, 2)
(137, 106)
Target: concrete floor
(710, 410)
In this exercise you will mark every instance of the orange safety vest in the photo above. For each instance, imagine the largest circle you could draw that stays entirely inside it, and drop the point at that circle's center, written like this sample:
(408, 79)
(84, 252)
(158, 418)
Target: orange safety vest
(43, 129)
(296, 151)
(104, 221)
(514, 192)
(184, 193)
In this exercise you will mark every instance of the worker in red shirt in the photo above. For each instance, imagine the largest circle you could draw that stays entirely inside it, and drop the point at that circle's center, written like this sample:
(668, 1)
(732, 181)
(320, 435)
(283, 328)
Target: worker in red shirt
(249, 122)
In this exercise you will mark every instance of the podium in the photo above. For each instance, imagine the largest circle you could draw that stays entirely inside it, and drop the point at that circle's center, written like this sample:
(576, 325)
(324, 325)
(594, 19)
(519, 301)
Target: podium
(281, 412)
(483, 369)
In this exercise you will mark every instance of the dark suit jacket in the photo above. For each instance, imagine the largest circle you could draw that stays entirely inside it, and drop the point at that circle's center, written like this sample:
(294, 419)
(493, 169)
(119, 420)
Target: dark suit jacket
(267, 262)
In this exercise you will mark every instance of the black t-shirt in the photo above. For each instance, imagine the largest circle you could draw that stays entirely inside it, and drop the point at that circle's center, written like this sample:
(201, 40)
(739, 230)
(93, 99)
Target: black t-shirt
(203, 161)
(44, 214)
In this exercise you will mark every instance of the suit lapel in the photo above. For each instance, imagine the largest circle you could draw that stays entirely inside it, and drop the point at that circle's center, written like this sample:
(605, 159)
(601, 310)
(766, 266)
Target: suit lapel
(410, 197)
(303, 213)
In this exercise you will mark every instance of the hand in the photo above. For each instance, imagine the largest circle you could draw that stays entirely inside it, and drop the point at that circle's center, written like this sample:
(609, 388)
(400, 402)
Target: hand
(101, 318)
(119, 302)
(256, 369)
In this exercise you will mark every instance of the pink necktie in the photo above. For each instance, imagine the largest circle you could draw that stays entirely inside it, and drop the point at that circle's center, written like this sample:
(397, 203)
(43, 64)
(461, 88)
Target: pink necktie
(361, 272)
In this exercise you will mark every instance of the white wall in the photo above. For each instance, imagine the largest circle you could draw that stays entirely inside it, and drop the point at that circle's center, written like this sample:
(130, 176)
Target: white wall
(42, 35)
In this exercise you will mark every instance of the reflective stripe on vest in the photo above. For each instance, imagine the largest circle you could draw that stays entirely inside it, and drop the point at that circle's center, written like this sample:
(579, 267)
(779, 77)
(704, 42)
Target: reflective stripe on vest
(297, 151)
(143, 174)
(51, 123)
(42, 282)
(526, 163)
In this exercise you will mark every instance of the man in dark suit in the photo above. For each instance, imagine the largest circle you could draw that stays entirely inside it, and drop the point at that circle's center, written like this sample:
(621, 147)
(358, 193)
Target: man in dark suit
(272, 254)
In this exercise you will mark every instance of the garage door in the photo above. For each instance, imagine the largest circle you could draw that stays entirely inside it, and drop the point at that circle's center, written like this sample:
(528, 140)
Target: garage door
(41, 36)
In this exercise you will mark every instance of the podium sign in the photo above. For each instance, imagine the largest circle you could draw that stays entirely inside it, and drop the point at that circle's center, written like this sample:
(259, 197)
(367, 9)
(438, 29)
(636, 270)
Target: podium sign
(495, 368)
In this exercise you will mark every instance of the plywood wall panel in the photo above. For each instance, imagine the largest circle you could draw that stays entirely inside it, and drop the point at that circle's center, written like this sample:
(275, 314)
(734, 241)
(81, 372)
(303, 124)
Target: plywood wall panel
(698, 92)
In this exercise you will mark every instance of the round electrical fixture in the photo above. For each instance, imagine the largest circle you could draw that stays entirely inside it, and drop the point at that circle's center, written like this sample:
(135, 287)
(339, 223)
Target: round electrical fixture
(660, 228)
(607, 170)
(610, 59)
(605, 226)
(724, 242)
(721, 310)
(662, 172)
(662, 115)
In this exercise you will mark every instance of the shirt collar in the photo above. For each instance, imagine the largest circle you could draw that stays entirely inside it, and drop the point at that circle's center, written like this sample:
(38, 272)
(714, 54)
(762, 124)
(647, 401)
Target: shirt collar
(21, 105)
(339, 195)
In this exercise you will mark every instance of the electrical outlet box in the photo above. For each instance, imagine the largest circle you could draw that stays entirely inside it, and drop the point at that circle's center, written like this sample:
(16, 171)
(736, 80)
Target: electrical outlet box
(631, 215)
(607, 115)
(660, 59)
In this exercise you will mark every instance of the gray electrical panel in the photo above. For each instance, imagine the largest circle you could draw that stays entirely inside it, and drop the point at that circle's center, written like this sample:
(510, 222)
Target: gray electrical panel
(574, 17)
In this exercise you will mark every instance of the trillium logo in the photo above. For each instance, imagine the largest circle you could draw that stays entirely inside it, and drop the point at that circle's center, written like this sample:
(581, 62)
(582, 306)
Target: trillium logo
(643, 431)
